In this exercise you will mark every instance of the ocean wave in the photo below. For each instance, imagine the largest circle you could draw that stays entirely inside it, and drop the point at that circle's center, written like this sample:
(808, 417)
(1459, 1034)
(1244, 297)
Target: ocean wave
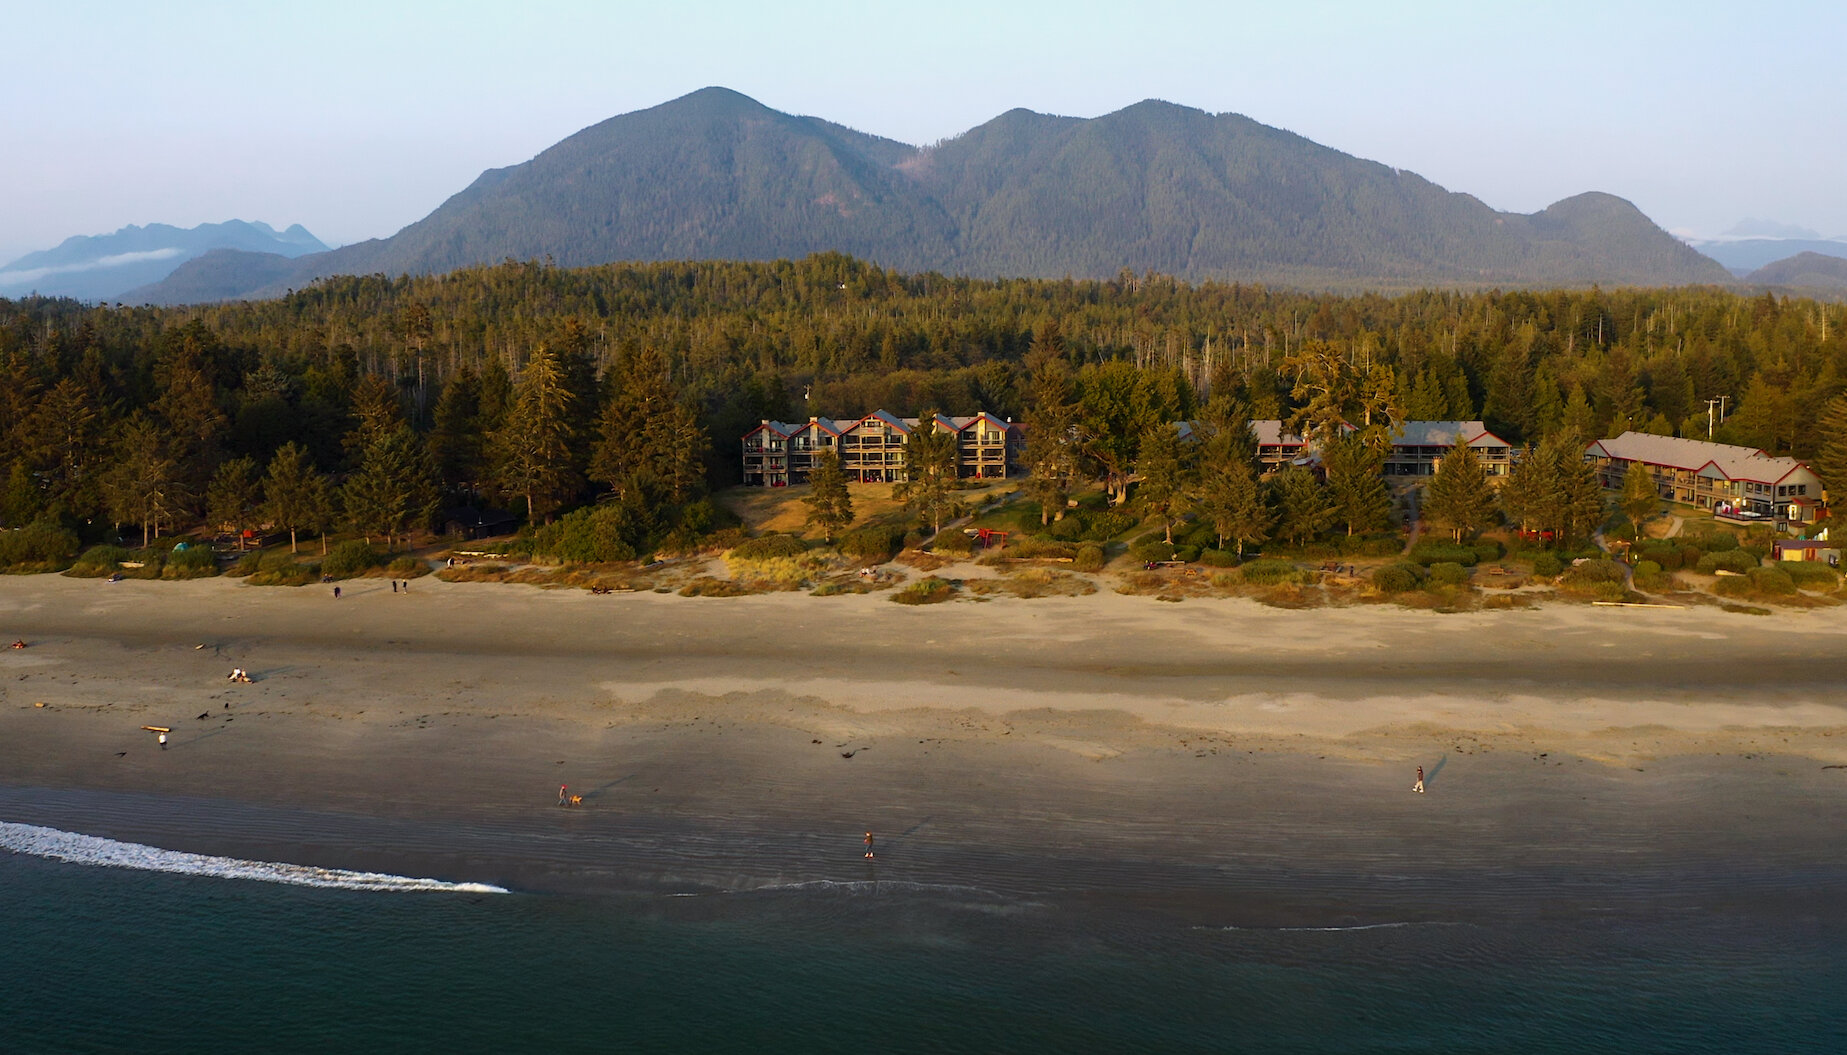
(76, 848)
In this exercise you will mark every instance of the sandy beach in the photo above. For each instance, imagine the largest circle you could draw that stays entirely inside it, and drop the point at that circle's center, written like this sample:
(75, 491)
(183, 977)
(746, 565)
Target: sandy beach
(736, 743)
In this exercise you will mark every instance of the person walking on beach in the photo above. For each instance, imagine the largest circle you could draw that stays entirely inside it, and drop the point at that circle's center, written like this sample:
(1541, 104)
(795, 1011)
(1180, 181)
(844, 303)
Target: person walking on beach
(1419, 786)
(563, 789)
(336, 593)
(868, 846)
(394, 586)
(162, 737)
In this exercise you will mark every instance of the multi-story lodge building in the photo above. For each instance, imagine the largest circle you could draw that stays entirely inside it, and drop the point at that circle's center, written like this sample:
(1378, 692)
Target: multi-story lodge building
(1417, 446)
(871, 449)
(1722, 477)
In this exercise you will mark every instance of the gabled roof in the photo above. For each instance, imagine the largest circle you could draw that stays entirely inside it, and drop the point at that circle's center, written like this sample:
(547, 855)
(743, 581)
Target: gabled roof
(1670, 451)
(1271, 433)
(823, 424)
(890, 420)
(1444, 433)
(781, 428)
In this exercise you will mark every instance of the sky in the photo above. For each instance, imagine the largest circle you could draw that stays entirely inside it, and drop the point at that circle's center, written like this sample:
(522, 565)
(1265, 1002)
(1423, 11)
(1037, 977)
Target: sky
(355, 119)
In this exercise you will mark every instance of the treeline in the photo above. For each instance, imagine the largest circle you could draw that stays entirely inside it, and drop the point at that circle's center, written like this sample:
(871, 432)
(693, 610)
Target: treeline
(547, 388)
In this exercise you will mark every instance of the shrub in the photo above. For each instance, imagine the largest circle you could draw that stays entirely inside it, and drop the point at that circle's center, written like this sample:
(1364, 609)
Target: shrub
(279, 568)
(1596, 571)
(1270, 572)
(1219, 558)
(1430, 552)
(1650, 576)
(707, 586)
(1070, 529)
(1151, 548)
(98, 561)
(1397, 578)
(1719, 542)
(925, 591)
(1546, 564)
(1760, 550)
(875, 542)
(1089, 558)
(1102, 527)
(953, 542)
(1186, 553)
(1727, 560)
(1809, 573)
(768, 547)
(1032, 547)
(1448, 573)
(349, 559)
(606, 533)
(408, 567)
(1199, 533)
(195, 561)
(1667, 557)
(1488, 549)
(1771, 581)
(40, 544)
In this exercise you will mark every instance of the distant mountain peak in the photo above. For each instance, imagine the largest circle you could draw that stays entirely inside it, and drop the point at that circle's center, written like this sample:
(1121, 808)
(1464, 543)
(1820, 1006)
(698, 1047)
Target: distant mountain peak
(100, 267)
(1749, 228)
(1155, 186)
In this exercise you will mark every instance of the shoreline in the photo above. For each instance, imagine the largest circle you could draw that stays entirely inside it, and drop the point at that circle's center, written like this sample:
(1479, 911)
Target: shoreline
(1042, 740)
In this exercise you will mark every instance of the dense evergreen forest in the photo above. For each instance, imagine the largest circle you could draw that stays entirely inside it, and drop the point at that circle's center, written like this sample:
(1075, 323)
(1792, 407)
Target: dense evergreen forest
(368, 403)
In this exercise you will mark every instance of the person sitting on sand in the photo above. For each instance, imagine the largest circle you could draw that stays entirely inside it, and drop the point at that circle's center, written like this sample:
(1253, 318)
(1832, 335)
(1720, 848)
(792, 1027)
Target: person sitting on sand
(20, 643)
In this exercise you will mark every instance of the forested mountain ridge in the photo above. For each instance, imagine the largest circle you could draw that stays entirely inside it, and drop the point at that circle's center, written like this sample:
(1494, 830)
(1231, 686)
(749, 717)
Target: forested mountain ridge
(109, 266)
(1153, 187)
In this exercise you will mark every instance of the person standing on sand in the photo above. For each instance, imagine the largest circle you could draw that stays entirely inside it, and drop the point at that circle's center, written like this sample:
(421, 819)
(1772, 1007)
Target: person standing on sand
(394, 586)
(562, 789)
(868, 845)
(1419, 786)
(336, 593)
(163, 746)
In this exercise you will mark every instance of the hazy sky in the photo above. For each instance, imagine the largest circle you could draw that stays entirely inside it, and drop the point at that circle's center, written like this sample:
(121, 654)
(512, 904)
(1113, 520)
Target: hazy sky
(355, 119)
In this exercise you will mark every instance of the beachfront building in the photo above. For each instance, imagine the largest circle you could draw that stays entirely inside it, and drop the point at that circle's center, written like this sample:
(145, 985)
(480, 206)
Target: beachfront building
(871, 448)
(1278, 448)
(1739, 483)
(1418, 446)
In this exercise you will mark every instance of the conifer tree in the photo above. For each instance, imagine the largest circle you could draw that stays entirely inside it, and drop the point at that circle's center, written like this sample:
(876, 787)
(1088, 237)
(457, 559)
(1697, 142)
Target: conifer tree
(295, 495)
(830, 506)
(1355, 485)
(1166, 469)
(1051, 447)
(231, 499)
(144, 485)
(1641, 495)
(1458, 496)
(1303, 507)
(535, 447)
(1231, 499)
(1830, 461)
(930, 469)
(394, 488)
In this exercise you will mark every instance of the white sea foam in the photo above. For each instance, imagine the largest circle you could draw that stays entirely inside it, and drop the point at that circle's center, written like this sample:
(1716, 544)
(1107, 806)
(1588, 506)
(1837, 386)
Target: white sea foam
(92, 850)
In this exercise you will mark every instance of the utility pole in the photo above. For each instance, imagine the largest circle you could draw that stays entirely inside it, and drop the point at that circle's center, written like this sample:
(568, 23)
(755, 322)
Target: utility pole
(1720, 401)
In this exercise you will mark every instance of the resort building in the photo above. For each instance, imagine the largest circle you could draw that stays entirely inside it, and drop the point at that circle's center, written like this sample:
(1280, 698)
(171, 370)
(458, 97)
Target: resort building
(1419, 445)
(871, 448)
(1740, 483)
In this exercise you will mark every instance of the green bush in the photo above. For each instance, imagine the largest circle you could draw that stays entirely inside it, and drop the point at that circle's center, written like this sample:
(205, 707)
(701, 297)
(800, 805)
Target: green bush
(875, 542)
(408, 567)
(925, 591)
(354, 557)
(1488, 549)
(1448, 573)
(768, 547)
(1431, 552)
(1033, 547)
(1199, 533)
(279, 568)
(1219, 558)
(1771, 580)
(1595, 571)
(1546, 564)
(1186, 553)
(40, 545)
(1719, 542)
(1270, 572)
(1151, 547)
(1370, 545)
(609, 532)
(1101, 527)
(1089, 558)
(1726, 560)
(98, 561)
(1667, 557)
(1397, 578)
(195, 561)
(953, 543)
(1070, 529)
(1809, 573)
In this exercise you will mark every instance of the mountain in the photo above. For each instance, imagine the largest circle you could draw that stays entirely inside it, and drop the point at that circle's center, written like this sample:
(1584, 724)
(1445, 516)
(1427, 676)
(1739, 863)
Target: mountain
(104, 267)
(1745, 255)
(716, 175)
(1803, 271)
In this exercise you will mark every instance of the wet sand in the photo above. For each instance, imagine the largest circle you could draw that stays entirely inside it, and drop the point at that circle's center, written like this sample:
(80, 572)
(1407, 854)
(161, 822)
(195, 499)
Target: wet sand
(1104, 744)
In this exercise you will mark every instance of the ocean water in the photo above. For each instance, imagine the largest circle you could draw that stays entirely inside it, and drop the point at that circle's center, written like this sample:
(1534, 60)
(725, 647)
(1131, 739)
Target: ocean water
(110, 946)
